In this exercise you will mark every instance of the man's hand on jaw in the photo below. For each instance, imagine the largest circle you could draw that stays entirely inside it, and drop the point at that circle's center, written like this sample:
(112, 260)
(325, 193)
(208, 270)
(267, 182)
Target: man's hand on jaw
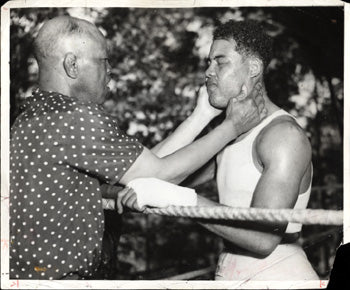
(246, 111)
(203, 107)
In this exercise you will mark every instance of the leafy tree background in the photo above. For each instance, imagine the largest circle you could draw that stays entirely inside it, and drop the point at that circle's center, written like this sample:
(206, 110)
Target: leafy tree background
(158, 59)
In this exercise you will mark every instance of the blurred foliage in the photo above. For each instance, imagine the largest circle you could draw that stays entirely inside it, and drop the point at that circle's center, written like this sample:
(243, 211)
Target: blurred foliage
(158, 59)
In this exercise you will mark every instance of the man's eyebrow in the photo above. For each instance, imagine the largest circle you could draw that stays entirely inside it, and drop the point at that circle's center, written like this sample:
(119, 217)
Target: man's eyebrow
(208, 59)
(219, 56)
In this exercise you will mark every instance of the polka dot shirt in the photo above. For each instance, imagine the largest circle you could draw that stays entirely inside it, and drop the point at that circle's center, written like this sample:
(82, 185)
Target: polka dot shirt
(61, 150)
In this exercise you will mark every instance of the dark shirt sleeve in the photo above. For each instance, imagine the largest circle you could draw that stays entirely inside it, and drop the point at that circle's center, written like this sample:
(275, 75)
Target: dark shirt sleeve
(94, 144)
(110, 191)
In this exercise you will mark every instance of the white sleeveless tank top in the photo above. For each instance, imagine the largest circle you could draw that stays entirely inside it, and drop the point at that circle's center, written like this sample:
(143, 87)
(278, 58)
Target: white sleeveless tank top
(237, 176)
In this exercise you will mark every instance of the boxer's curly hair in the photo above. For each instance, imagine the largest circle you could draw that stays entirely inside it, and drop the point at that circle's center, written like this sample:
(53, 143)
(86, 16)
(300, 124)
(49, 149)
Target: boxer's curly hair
(250, 37)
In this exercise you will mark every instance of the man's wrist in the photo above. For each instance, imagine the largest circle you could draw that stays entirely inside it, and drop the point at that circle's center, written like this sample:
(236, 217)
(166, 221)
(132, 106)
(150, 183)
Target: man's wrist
(201, 117)
(230, 129)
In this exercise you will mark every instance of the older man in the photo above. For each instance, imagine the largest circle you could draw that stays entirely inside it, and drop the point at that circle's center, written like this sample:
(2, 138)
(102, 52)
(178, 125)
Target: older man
(63, 145)
(267, 167)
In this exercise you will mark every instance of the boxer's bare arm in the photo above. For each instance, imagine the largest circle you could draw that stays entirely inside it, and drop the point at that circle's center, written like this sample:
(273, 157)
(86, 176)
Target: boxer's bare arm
(285, 153)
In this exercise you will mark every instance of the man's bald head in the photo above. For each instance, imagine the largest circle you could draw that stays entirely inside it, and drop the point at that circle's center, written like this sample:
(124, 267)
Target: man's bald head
(60, 34)
(73, 59)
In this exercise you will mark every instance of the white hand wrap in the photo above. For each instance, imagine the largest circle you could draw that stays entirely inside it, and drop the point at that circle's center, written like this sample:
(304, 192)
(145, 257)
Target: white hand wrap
(159, 193)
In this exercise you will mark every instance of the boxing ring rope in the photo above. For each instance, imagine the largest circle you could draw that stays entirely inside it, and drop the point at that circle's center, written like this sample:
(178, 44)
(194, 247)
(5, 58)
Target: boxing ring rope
(303, 216)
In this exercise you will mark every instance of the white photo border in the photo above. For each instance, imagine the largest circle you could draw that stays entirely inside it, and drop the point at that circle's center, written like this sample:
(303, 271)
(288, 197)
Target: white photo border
(7, 283)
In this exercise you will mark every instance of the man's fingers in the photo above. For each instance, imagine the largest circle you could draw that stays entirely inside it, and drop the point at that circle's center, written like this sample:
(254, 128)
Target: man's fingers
(243, 93)
(131, 200)
(233, 100)
(258, 86)
(255, 91)
(258, 95)
(261, 109)
(126, 197)
(119, 206)
(133, 203)
(121, 194)
(260, 102)
(202, 89)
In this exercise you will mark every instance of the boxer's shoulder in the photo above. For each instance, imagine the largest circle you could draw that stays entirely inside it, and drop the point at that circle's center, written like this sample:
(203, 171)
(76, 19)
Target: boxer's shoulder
(282, 135)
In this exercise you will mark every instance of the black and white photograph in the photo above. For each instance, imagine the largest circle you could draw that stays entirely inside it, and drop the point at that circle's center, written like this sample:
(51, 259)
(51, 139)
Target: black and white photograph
(180, 145)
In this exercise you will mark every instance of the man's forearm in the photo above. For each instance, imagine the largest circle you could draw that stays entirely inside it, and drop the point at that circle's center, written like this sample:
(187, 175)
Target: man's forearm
(241, 116)
(259, 242)
(177, 166)
(202, 175)
(184, 134)
(188, 159)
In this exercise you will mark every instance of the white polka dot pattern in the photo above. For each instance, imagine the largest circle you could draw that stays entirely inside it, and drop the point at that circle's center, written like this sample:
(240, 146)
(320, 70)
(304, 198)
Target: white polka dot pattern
(61, 150)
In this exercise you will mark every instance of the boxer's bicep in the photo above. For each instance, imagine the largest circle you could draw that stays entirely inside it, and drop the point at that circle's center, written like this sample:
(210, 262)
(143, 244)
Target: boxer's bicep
(285, 154)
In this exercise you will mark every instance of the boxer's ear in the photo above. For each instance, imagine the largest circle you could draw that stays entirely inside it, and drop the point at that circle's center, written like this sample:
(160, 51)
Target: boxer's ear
(256, 67)
(70, 65)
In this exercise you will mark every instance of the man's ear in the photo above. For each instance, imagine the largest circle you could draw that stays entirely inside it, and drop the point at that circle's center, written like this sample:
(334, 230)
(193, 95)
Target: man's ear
(70, 65)
(255, 67)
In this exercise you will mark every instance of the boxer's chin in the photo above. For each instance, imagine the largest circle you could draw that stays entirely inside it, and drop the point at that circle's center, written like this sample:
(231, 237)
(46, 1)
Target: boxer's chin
(217, 102)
